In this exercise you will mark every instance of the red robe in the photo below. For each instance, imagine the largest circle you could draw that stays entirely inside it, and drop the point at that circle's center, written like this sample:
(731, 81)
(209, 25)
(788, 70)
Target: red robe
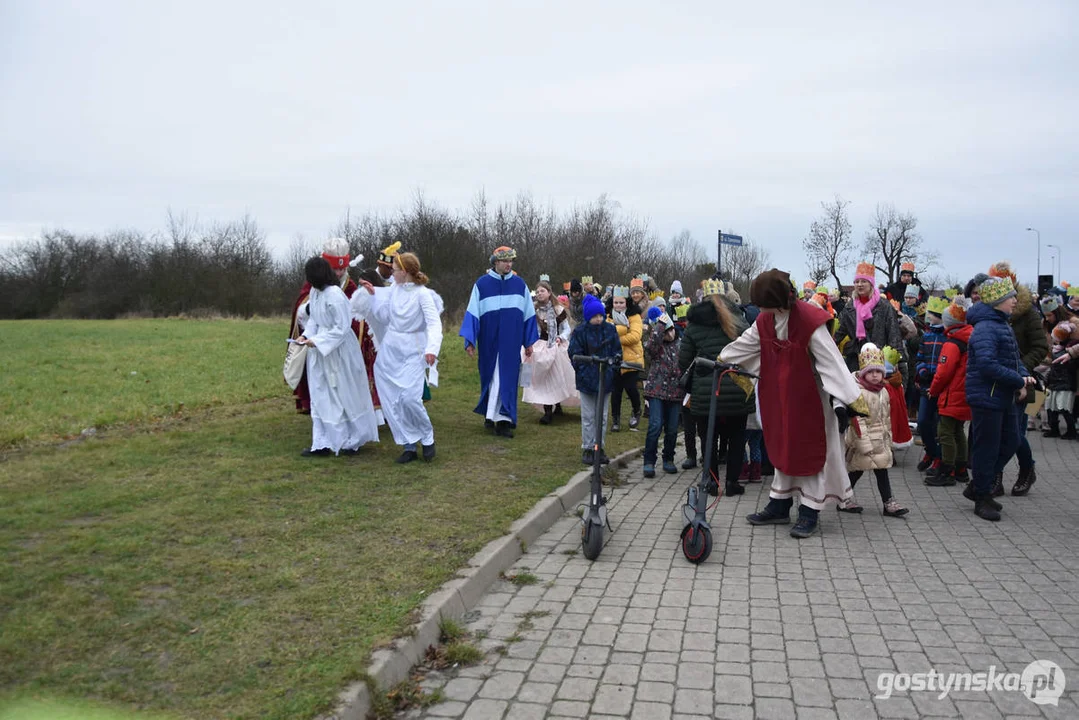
(367, 347)
(789, 399)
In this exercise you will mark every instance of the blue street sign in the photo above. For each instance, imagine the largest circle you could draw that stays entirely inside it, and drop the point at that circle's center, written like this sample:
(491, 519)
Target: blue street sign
(730, 239)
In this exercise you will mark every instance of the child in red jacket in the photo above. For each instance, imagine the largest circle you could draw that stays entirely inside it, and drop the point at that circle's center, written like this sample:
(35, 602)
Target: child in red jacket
(949, 387)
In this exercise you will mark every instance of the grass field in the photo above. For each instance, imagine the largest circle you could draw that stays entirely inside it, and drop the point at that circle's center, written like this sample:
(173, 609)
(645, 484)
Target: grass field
(186, 559)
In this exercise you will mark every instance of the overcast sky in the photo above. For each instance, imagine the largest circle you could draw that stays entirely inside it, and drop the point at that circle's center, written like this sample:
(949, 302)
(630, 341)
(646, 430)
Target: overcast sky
(695, 115)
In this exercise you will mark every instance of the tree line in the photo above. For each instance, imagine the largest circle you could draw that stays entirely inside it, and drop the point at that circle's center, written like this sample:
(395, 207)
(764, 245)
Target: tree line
(192, 269)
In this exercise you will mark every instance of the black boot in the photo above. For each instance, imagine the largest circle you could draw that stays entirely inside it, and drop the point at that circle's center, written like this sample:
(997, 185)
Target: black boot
(1054, 425)
(998, 486)
(428, 452)
(558, 409)
(547, 415)
(690, 462)
(1069, 422)
(1022, 485)
(984, 510)
(945, 477)
(733, 488)
(503, 429)
(968, 493)
(961, 474)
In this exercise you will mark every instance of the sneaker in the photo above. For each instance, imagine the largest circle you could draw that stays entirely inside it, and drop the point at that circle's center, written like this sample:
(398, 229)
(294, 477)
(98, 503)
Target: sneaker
(1051, 433)
(649, 471)
(634, 420)
(968, 493)
(945, 477)
(616, 426)
(587, 456)
(406, 457)
(850, 505)
(934, 469)
(924, 463)
(689, 463)
(669, 467)
(1023, 484)
(321, 452)
(803, 528)
(894, 509)
(767, 517)
(961, 474)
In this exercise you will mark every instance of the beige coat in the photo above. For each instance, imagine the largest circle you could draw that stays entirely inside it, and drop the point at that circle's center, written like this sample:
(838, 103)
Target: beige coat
(873, 450)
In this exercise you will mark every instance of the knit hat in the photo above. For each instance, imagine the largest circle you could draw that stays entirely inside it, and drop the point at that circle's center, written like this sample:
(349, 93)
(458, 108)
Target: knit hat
(503, 252)
(1050, 303)
(654, 314)
(1003, 269)
(996, 290)
(387, 254)
(866, 271)
(592, 307)
(954, 314)
(936, 306)
(676, 287)
(620, 291)
(907, 267)
(870, 358)
(575, 285)
(1063, 332)
(772, 290)
(336, 253)
(911, 291)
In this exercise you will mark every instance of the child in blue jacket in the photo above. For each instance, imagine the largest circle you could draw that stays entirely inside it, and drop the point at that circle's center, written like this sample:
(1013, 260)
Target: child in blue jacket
(594, 336)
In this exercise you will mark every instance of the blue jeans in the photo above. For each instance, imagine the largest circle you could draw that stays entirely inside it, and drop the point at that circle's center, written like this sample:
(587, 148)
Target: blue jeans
(1023, 453)
(927, 426)
(662, 417)
(754, 438)
(996, 436)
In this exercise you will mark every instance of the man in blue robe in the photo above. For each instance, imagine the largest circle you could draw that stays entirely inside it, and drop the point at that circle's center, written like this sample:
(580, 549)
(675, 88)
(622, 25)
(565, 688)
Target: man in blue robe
(500, 320)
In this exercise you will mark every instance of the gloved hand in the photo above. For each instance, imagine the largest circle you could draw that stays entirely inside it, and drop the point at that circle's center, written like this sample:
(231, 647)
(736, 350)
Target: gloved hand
(844, 419)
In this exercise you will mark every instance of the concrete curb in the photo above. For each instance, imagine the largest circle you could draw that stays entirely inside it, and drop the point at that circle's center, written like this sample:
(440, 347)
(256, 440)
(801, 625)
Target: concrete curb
(392, 665)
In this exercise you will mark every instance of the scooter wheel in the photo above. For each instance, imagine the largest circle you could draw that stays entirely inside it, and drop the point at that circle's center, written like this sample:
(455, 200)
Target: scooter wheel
(697, 544)
(591, 540)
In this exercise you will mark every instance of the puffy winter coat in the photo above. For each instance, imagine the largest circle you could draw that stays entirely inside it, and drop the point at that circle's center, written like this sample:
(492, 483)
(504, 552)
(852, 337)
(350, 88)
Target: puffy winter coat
(881, 329)
(994, 369)
(1026, 323)
(704, 337)
(928, 355)
(631, 336)
(663, 372)
(600, 340)
(950, 381)
(868, 441)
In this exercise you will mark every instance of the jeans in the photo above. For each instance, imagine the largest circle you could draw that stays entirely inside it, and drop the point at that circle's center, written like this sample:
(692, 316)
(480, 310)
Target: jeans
(734, 427)
(662, 417)
(588, 421)
(927, 426)
(754, 438)
(1023, 452)
(996, 437)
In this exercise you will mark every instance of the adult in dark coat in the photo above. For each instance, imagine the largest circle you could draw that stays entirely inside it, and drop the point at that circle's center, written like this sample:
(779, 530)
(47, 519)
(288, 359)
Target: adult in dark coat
(898, 290)
(712, 324)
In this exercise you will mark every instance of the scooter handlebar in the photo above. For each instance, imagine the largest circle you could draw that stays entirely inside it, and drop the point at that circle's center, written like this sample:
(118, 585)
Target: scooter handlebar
(713, 365)
(596, 359)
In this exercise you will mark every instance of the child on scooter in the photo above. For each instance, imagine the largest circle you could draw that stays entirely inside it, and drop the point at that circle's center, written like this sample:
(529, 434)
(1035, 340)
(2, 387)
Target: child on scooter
(595, 336)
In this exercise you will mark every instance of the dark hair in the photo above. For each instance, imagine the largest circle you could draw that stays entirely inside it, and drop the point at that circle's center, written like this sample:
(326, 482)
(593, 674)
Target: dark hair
(371, 275)
(319, 273)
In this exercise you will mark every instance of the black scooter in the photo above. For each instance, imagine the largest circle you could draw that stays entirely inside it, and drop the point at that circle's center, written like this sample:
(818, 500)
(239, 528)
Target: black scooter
(696, 530)
(594, 519)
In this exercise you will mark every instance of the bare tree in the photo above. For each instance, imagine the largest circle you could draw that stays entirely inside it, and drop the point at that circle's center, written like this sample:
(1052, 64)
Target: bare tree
(893, 239)
(828, 245)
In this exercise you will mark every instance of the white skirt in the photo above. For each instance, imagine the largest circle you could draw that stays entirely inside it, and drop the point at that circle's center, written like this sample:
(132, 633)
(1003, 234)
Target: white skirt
(1060, 401)
(553, 379)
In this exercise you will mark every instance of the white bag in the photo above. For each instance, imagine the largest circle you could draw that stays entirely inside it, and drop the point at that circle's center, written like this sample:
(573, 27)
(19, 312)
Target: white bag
(295, 364)
(526, 374)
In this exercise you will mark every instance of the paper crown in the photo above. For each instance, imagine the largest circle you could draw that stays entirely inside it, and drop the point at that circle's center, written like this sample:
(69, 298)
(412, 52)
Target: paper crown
(1002, 269)
(713, 287)
(636, 283)
(822, 290)
(996, 289)
(911, 291)
(866, 270)
(1050, 303)
(335, 251)
(545, 278)
(586, 279)
(937, 305)
(891, 355)
(957, 311)
(620, 291)
(643, 277)
(681, 311)
(870, 358)
(503, 253)
(894, 304)
(1073, 291)
(953, 292)
(566, 286)
(809, 285)
(907, 267)
(387, 255)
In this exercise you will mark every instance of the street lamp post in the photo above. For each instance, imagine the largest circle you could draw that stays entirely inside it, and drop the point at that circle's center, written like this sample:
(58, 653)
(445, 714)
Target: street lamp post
(1035, 230)
(1060, 262)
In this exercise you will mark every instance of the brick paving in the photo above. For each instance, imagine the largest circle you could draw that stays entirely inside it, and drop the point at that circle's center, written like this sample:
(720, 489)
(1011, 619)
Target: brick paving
(774, 628)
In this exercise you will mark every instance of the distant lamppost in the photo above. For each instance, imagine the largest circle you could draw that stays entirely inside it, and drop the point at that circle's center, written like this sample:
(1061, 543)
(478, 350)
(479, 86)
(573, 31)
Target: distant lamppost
(1060, 262)
(1035, 230)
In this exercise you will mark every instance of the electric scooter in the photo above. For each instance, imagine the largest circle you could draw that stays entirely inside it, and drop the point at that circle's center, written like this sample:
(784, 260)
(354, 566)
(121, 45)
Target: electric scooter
(696, 530)
(594, 519)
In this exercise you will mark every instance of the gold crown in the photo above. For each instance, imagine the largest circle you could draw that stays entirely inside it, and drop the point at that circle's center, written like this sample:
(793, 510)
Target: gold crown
(713, 287)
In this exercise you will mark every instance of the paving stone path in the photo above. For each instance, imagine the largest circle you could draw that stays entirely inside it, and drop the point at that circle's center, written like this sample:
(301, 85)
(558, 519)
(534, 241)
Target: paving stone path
(771, 627)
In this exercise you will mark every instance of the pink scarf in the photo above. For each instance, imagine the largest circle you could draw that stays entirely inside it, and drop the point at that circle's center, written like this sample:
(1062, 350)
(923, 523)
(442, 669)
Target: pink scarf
(863, 311)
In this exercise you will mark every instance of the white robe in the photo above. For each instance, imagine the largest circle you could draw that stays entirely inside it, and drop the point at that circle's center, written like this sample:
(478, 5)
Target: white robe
(831, 484)
(342, 414)
(406, 325)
